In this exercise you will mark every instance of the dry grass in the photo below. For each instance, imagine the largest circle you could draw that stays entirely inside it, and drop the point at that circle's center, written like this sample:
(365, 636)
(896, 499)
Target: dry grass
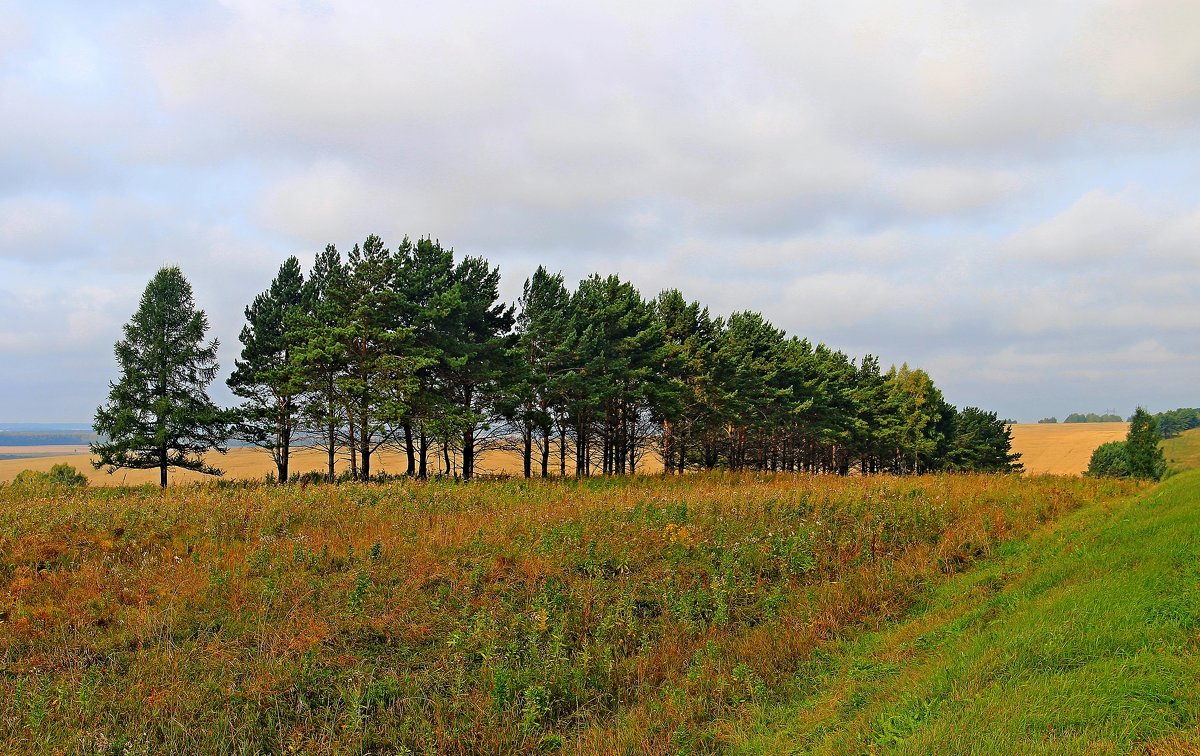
(1062, 448)
(601, 616)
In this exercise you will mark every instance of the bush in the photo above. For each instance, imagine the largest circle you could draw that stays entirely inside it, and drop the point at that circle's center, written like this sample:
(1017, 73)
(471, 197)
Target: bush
(1047, 420)
(1109, 461)
(58, 475)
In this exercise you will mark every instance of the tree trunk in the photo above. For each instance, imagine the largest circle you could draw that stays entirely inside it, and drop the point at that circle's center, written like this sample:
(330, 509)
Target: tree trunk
(365, 470)
(285, 441)
(468, 453)
(331, 474)
(562, 451)
(528, 455)
(423, 466)
(409, 451)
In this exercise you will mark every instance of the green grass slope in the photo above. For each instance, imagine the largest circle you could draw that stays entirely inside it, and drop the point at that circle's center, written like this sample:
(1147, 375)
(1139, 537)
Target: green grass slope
(1083, 639)
(1183, 451)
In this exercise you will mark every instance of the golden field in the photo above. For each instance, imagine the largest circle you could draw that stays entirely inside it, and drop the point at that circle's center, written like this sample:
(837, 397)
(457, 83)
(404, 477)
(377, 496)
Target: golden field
(1061, 449)
(256, 464)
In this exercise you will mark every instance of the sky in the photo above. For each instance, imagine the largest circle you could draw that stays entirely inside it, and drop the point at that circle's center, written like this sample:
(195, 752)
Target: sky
(1006, 194)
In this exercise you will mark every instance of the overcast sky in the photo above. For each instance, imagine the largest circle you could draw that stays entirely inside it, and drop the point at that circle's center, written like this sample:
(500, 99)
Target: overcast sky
(1006, 194)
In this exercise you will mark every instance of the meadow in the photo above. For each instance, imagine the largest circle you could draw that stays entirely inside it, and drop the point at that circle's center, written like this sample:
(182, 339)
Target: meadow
(656, 615)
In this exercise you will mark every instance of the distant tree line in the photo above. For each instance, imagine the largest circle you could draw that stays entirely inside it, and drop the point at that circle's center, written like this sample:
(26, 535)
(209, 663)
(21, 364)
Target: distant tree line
(1174, 422)
(411, 349)
(1092, 417)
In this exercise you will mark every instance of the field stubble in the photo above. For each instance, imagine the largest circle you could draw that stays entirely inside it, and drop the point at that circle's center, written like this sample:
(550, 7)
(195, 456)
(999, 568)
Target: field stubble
(602, 616)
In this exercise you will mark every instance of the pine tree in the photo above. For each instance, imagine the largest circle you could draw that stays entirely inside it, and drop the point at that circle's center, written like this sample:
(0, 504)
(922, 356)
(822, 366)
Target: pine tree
(158, 413)
(265, 376)
(982, 442)
(474, 367)
(319, 356)
(1145, 457)
(541, 328)
(377, 384)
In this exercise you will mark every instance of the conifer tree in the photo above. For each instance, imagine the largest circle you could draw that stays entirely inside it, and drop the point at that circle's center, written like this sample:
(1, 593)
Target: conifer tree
(377, 383)
(1146, 458)
(474, 366)
(265, 376)
(541, 328)
(319, 356)
(158, 413)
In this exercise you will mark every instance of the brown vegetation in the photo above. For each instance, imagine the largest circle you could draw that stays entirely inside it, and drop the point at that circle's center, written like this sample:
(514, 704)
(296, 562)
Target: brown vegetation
(596, 616)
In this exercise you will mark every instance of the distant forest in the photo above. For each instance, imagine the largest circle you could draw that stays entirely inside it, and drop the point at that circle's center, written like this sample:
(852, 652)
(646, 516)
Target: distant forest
(411, 349)
(1091, 417)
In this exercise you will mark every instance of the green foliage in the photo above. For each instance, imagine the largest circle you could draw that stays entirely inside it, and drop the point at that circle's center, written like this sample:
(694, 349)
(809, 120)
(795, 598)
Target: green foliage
(1092, 417)
(982, 443)
(1146, 458)
(1174, 422)
(158, 414)
(58, 475)
(1048, 420)
(1109, 460)
(410, 348)
(1138, 456)
(266, 376)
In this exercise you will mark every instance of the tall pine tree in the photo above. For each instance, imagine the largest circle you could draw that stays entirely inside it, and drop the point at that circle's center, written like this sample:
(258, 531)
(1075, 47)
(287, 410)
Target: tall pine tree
(265, 376)
(158, 413)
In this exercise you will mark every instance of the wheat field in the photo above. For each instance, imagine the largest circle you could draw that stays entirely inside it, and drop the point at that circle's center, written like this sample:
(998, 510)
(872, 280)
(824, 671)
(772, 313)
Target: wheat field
(1062, 449)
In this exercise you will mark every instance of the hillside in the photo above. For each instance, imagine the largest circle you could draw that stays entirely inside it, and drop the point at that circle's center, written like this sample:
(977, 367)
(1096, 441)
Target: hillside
(1081, 640)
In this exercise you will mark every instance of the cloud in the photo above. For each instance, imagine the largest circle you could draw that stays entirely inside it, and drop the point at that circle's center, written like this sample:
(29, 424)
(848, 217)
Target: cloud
(1003, 193)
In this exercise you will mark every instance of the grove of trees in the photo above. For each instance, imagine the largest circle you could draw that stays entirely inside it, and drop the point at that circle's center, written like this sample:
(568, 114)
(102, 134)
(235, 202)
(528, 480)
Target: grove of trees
(411, 349)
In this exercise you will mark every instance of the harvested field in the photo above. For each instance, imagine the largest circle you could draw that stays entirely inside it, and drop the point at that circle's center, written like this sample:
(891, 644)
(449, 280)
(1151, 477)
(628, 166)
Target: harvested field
(256, 464)
(1062, 448)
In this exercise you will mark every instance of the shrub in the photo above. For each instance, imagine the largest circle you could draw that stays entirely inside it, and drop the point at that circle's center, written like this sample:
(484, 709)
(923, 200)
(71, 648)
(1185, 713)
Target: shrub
(1109, 461)
(58, 475)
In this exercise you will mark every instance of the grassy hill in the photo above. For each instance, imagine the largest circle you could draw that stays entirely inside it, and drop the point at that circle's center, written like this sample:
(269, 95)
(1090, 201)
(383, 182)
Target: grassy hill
(1082, 639)
(1183, 451)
